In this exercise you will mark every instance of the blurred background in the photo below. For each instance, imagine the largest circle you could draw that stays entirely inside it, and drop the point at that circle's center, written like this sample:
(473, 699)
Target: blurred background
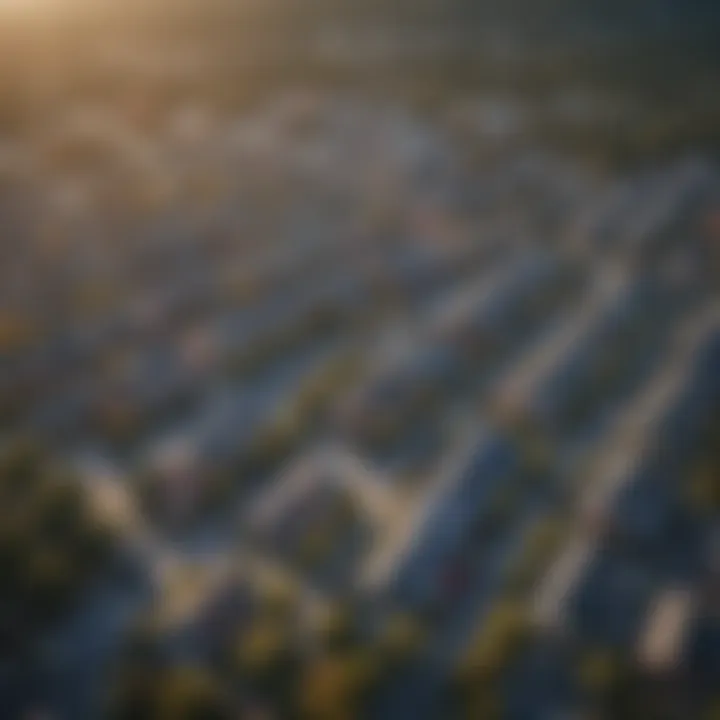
(359, 359)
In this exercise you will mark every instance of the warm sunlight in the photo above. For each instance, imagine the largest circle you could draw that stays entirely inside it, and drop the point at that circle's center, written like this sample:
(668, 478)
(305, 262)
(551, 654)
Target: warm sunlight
(36, 8)
(24, 4)
(359, 359)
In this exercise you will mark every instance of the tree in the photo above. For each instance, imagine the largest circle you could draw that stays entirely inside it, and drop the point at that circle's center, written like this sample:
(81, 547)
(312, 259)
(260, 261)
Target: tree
(191, 693)
(337, 628)
(504, 630)
(402, 638)
(334, 686)
(262, 650)
(279, 598)
(50, 543)
(598, 670)
(20, 462)
(175, 693)
(59, 509)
